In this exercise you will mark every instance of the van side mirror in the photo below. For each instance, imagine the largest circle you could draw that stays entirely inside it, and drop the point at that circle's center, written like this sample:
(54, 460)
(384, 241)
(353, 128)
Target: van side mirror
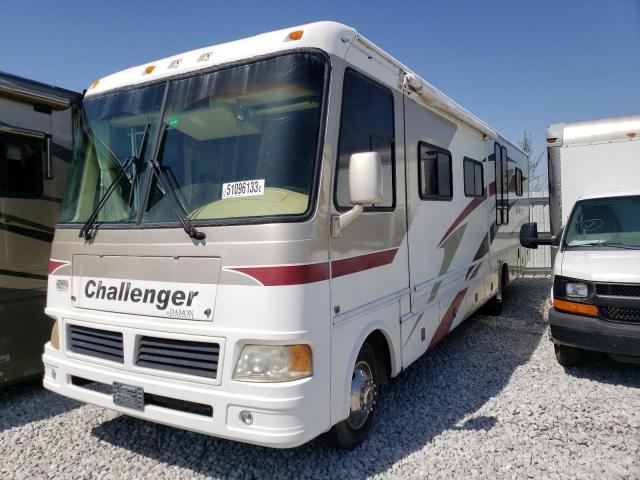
(529, 237)
(365, 188)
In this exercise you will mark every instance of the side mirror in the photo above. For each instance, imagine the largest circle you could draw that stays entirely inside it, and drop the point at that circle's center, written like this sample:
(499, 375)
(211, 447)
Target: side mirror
(529, 237)
(365, 187)
(365, 178)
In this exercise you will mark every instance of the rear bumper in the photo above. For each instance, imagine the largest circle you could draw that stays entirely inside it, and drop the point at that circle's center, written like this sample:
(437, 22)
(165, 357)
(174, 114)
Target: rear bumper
(594, 334)
(283, 415)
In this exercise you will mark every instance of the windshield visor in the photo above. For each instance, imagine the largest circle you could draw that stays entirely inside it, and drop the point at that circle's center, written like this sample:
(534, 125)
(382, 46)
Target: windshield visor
(613, 221)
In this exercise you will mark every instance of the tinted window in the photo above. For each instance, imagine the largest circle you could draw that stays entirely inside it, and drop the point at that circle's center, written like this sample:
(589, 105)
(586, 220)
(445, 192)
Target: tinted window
(20, 166)
(434, 164)
(366, 125)
(473, 181)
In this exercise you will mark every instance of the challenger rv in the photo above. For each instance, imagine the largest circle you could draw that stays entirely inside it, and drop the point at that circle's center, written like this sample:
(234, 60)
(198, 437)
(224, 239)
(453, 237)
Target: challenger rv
(257, 235)
(36, 124)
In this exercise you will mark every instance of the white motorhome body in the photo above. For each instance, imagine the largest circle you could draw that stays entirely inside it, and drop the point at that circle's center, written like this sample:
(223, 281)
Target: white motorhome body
(36, 130)
(594, 184)
(338, 216)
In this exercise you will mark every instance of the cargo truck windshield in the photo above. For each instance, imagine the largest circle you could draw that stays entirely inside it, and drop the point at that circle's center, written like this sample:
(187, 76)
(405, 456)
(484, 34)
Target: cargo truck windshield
(237, 143)
(612, 222)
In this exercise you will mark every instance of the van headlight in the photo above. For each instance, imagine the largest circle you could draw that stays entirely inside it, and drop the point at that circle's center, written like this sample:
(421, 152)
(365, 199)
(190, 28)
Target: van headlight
(577, 290)
(273, 363)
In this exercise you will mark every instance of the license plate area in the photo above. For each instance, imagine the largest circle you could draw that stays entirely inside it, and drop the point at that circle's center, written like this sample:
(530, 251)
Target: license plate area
(128, 396)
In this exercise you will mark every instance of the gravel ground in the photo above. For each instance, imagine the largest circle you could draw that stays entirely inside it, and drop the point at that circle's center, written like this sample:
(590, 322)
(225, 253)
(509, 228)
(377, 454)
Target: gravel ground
(489, 401)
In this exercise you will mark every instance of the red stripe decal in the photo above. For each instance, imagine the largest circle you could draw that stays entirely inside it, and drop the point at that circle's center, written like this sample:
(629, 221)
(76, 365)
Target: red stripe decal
(473, 204)
(447, 319)
(492, 189)
(288, 274)
(55, 265)
(346, 266)
(475, 272)
(316, 272)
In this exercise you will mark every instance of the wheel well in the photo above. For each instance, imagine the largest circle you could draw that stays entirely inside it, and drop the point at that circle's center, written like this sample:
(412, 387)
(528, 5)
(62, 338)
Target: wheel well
(378, 342)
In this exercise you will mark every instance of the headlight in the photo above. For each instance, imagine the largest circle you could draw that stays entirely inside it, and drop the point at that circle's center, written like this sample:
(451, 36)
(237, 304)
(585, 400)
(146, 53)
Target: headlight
(577, 290)
(273, 363)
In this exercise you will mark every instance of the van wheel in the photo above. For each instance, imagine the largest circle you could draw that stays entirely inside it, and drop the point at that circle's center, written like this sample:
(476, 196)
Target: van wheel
(568, 356)
(350, 432)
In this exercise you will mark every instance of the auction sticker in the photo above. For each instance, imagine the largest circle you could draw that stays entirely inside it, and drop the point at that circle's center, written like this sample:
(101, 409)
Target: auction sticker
(243, 188)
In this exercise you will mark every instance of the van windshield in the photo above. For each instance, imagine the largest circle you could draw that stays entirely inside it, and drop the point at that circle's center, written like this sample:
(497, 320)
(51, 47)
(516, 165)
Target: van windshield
(605, 222)
(234, 143)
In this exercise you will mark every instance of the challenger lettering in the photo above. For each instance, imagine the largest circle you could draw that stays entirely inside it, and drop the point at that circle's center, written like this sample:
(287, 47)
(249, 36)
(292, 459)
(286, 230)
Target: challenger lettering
(124, 293)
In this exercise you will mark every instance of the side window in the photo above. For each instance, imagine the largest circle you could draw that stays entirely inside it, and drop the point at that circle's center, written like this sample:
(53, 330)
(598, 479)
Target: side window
(366, 125)
(473, 178)
(519, 182)
(505, 186)
(20, 165)
(434, 175)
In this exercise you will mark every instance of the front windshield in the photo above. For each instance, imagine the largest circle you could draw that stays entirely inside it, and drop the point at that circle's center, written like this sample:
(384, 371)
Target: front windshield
(111, 129)
(605, 222)
(235, 143)
(241, 142)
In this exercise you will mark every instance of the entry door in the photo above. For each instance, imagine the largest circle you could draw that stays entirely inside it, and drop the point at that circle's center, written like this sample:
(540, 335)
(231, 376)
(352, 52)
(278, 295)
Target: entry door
(369, 259)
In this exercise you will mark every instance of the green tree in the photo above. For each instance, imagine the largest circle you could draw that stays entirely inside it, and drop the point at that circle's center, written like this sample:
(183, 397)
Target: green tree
(537, 180)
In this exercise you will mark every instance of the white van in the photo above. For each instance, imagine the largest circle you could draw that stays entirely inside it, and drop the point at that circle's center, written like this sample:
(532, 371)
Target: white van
(596, 274)
(257, 235)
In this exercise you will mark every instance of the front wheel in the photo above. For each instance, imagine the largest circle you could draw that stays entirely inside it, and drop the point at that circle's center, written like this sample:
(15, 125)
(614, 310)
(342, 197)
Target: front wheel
(568, 356)
(350, 432)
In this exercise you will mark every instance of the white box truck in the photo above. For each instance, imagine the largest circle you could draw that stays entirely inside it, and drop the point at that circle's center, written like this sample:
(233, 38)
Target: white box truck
(594, 202)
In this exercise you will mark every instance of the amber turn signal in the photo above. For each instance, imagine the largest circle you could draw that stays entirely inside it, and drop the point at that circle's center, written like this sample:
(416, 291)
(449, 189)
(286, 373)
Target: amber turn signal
(574, 307)
(297, 35)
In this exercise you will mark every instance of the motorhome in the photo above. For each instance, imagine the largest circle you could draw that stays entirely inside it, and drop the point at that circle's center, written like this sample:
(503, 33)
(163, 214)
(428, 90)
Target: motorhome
(257, 235)
(594, 204)
(36, 125)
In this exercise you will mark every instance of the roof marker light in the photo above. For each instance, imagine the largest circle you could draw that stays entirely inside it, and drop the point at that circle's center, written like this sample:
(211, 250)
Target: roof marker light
(175, 63)
(205, 56)
(296, 35)
(149, 69)
(631, 135)
(94, 84)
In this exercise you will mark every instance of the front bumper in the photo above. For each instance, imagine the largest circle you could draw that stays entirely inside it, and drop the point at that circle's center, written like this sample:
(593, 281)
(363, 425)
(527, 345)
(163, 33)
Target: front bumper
(591, 333)
(283, 415)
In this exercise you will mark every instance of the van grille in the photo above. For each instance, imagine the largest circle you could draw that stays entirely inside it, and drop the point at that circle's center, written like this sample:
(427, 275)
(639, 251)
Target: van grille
(192, 358)
(95, 343)
(619, 314)
(618, 290)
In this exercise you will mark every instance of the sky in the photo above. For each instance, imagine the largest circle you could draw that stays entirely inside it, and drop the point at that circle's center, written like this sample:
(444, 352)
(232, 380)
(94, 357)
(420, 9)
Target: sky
(518, 65)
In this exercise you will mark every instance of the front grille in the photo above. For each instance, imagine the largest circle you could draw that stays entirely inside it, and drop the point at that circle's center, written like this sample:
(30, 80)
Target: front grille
(619, 314)
(95, 343)
(192, 358)
(618, 290)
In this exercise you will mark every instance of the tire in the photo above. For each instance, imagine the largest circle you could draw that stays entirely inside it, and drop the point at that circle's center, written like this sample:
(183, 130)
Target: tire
(365, 383)
(494, 306)
(568, 356)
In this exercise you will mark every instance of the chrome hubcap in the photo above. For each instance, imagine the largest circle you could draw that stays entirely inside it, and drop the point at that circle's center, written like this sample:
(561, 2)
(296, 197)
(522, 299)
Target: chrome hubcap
(363, 395)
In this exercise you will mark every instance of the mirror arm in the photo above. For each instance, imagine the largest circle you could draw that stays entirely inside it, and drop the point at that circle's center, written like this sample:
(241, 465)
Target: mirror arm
(342, 221)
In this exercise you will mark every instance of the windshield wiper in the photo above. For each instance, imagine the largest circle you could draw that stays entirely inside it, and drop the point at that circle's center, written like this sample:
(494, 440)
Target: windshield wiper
(87, 229)
(608, 244)
(620, 245)
(170, 191)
